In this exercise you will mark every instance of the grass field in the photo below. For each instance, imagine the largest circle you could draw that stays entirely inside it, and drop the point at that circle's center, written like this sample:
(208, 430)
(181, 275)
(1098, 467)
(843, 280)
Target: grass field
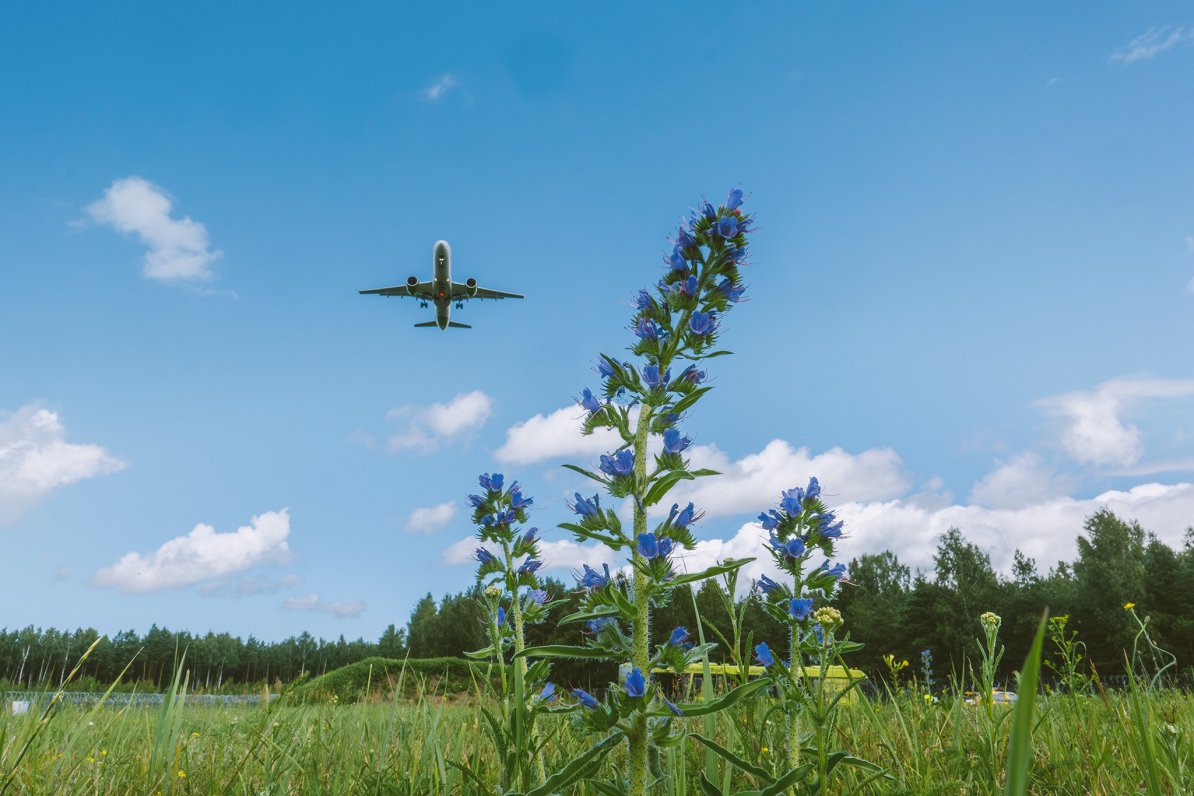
(1111, 743)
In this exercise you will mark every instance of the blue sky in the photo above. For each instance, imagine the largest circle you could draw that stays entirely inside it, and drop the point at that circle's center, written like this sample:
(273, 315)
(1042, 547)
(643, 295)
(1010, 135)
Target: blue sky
(972, 284)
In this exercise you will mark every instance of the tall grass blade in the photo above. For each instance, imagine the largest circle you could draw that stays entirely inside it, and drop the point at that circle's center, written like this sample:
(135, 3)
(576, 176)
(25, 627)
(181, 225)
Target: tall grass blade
(1019, 747)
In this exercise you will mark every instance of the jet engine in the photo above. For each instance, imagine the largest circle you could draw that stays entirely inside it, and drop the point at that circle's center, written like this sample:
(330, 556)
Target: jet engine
(471, 284)
(411, 283)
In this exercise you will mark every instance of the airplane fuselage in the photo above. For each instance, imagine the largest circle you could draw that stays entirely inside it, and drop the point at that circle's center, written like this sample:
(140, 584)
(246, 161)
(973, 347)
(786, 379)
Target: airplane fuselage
(442, 284)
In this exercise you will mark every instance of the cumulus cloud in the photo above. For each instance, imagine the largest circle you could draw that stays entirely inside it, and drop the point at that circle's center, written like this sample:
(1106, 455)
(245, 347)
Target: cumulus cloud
(1023, 481)
(440, 87)
(754, 482)
(1095, 433)
(36, 459)
(554, 436)
(428, 428)
(431, 518)
(179, 248)
(1152, 43)
(1045, 531)
(313, 602)
(202, 555)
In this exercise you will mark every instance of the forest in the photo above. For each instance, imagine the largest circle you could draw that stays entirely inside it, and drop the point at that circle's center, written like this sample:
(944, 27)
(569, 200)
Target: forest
(888, 607)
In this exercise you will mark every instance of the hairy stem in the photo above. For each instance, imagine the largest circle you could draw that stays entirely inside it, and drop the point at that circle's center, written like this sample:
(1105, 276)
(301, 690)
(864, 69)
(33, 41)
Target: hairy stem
(641, 658)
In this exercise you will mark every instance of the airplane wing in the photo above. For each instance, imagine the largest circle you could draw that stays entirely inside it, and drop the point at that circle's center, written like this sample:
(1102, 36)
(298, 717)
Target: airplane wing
(461, 292)
(420, 291)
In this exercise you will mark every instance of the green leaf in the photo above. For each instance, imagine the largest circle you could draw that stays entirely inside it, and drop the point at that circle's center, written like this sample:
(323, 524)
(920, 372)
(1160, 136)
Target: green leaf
(1019, 746)
(787, 780)
(628, 609)
(585, 472)
(732, 697)
(585, 616)
(708, 788)
(608, 788)
(688, 400)
(729, 565)
(481, 654)
(665, 483)
(577, 768)
(469, 773)
(562, 651)
(702, 473)
(732, 758)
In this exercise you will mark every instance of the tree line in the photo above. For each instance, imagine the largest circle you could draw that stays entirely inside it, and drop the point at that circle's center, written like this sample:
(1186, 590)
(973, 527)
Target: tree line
(891, 609)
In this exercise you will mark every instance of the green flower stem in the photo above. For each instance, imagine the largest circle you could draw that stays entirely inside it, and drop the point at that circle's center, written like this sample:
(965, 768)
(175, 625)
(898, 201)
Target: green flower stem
(797, 673)
(637, 738)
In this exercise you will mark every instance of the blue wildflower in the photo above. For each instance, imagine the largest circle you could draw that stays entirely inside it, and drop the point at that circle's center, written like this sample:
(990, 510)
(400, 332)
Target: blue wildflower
(734, 200)
(548, 694)
(585, 698)
(735, 254)
(644, 301)
(731, 291)
(814, 488)
(674, 442)
(501, 616)
(684, 239)
(529, 567)
(586, 507)
(621, 463)
(838, 571)
(476, 500)
(537, 596)
(484, 556)
(686, 516)
(832, 531)
(688, 287)
(647, 329)
(677, 261)
(654, 378)
(702, 323)
(674, 708)
(588, 401)
(591, 578)
(763, 653)
(767, 585)
(792, 548)
(604, 368)
(692, 374)
(679, 636)
(492, 483)
(709, 211)
(636, 684)
(648, 545)
(595, 625)
(517, 501)
(728, 227)
(800, 608)
(529, 536)
(790, 505)
(769, 520)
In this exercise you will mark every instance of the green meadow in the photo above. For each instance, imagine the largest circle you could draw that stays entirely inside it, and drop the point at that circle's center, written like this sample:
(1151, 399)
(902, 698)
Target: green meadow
(1139, 740)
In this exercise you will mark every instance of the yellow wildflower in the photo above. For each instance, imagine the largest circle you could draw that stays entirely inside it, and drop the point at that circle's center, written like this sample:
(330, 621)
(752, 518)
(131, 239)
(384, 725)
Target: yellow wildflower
(182, 774)
(1129, 606)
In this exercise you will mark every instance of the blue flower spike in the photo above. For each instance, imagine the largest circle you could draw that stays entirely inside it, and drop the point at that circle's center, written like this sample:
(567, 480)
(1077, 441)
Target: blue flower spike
(679, 636)
(763, 653)
(636, 683)
(585, 698)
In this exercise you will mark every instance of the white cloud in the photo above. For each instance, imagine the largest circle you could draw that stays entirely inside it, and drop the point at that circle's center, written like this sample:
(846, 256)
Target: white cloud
(202, 555)
(1152, 43)
(427, 428)
(558, 555)
(431, 518)
(554, 436)
(35, 459)
(179, 249)
(313, 602)
(1045, 531)
(1095, 433)
(755, 481)
(446, 83)
(1023, 481)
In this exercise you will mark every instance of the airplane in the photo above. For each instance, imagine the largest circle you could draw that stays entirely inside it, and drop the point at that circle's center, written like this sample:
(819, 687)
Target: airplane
(442, 290)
